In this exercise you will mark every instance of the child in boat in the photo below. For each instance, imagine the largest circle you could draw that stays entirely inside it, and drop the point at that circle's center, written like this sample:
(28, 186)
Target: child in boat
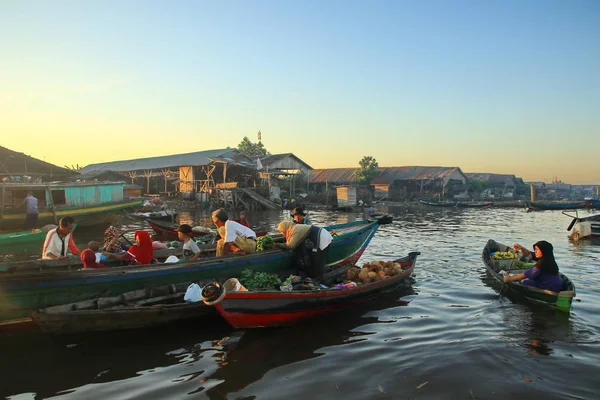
(140, 253)
(544, 274)
(90, 257)
(243, 220)
(191, 251)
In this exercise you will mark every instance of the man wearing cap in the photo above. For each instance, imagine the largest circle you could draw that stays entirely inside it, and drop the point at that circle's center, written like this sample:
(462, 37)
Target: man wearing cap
(299, 216)
(191, 251)
(235, 238)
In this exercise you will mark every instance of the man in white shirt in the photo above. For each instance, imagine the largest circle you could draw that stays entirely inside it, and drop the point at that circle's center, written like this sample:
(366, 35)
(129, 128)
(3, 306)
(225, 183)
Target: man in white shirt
(235, 238)
(59, 241)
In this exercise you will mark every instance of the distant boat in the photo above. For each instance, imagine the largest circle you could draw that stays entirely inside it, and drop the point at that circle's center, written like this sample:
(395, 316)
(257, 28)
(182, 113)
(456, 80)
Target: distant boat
(594, 203)
(89, 203)
(460, 204)
(25, 237)
(556, 205)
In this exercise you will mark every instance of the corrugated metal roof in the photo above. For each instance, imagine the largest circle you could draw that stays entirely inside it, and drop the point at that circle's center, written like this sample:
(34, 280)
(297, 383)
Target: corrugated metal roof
(333, 175)
(106, 175)
(273, 158)
(13, 162)
(172, 161)
(415, 173)
(489, 177)
(388, 174)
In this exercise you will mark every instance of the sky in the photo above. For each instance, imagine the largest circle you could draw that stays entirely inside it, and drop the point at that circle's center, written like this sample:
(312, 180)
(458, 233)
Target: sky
(488, 86)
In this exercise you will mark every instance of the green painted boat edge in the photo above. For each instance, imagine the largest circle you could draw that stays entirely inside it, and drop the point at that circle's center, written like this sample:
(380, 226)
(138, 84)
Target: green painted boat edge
(17, 302)
(561, 301)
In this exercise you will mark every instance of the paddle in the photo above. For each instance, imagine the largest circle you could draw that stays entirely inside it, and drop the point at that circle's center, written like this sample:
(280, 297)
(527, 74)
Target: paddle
(127, 240)
(575, 219)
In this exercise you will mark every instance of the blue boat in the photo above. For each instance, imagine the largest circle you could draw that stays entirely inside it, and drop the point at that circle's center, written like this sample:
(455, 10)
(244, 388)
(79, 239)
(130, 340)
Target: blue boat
(556, 205)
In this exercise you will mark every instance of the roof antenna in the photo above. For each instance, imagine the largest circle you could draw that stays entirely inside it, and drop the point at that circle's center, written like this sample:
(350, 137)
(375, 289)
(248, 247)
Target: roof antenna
(259, 136)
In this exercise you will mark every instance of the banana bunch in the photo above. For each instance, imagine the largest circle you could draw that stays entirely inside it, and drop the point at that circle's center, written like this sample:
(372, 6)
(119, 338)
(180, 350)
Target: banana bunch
(504, 255)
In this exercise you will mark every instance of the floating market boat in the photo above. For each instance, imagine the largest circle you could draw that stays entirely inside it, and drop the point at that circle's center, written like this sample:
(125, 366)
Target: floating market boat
(561, 300)
(584, 227)
(461, 204)
(26, 237)
(594, 203)
(25, 290)
(132, 310)
(161, 215)
(556, 205)
(266, 308)
(89, 203)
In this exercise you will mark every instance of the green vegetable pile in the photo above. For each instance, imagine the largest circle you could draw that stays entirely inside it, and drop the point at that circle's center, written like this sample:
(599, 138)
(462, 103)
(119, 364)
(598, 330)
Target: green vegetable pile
(264, 243)
(259, 280)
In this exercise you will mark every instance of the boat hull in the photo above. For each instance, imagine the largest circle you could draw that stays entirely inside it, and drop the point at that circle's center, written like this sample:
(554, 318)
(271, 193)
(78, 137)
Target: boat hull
(132, 310)
(561, 300)
(23, 293)
(276, 308)
(84, 216)
(541, 206)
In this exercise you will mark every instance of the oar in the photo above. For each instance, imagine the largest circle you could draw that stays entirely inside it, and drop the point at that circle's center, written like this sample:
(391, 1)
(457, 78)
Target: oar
(127, 240)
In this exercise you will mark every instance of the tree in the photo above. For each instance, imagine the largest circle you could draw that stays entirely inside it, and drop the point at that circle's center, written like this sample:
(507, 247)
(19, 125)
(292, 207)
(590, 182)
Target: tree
(369, 169)
(252, 150)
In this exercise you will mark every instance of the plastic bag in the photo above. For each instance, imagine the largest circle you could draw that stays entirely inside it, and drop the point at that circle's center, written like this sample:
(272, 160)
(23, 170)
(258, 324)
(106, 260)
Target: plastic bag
(193, 293)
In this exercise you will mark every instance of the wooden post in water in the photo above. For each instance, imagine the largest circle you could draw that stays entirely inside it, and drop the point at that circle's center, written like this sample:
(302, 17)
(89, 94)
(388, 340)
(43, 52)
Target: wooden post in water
(532, 191)
(2, 201)
(49, 194)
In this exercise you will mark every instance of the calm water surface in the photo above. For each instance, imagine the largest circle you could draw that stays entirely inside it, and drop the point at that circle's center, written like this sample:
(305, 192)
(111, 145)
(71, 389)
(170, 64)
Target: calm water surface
(449, 336)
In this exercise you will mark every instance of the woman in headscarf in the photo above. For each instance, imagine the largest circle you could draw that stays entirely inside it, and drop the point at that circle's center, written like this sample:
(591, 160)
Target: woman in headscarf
(140, 253)
(310, 243)
(544, 274)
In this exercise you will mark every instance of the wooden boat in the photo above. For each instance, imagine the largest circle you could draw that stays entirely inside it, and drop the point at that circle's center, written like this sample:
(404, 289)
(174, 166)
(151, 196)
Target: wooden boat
(18, 238)
(89, 203)
(132, 310)
(255, 309)
(584, 227)
(438, 203)
(27, 289)
(162, 215)
(26, 237)
(561, 300)
(594, 203)
(382, 219)
(169, 229)
(551, 205)
(461, 204)
(473, 204)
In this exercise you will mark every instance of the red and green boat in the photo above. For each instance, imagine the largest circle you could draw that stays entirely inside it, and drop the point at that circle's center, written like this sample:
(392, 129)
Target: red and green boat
(22, 292)
(257, 309)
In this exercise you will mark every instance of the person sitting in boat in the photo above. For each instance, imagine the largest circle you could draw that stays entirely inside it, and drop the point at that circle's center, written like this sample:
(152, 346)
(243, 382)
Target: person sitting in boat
(59, 242)
(243, 220)
(299, 216)
(191, 251)
(89, 259)
(235, 237)
(310, 244)
(111, 240)
(544, 274)
(140, 253)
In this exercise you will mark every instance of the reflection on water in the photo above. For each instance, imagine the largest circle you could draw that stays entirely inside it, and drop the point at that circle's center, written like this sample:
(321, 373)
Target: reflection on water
(449, 335)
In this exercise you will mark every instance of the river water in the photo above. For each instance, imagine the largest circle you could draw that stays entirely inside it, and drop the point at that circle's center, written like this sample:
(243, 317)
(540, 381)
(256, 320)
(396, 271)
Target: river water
(448, 336)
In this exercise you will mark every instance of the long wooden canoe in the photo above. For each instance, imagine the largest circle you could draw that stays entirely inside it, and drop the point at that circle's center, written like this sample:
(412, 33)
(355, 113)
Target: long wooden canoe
(256, 309)
(557, 205)
(26, 237)
(24, 292)
(132, 310)
(561, 300)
